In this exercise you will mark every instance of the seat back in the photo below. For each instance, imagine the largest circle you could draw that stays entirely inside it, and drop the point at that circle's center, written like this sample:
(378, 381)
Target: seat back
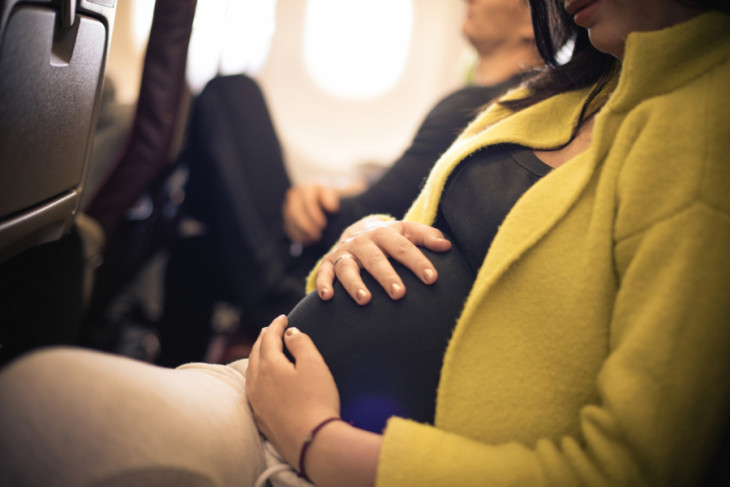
(52, 61)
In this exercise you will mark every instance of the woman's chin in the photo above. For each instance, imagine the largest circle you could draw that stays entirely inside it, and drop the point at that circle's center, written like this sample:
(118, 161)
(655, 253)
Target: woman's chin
(607, 44)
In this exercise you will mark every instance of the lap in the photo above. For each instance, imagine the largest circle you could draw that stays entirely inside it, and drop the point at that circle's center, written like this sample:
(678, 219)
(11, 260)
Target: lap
(76, 417)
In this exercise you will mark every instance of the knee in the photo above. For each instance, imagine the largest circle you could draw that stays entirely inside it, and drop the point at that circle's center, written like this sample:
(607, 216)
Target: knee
(36, 362)
(233, 87)
(41, 371)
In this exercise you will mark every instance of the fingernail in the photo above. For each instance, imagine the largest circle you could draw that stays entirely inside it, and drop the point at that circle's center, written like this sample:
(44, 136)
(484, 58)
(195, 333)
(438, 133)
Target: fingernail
(395, 289)
(292, 331)
(445, 240)
(361, 294)
(323, 292)
(263, 330)
(428, 275)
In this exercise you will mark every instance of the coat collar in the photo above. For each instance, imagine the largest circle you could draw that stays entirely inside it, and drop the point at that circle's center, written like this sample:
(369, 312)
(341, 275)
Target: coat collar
(694, 46)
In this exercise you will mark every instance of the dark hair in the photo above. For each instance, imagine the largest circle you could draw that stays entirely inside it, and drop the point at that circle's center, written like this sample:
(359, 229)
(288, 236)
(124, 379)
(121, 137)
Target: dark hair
(587, 66)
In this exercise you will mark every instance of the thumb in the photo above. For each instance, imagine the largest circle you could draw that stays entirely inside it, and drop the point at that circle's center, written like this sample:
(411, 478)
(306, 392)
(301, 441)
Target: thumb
(300, 345)
(330, 199)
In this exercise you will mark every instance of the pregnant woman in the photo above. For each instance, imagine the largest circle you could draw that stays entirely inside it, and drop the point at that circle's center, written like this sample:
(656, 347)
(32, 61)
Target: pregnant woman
(591, 347)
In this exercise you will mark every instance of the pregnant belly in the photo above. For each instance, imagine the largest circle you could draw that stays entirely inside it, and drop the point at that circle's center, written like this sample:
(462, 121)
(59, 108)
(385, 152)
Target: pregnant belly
(386, 356)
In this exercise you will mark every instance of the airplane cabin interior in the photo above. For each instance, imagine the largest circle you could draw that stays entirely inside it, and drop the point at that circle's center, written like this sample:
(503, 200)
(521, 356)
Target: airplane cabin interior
(159, 160)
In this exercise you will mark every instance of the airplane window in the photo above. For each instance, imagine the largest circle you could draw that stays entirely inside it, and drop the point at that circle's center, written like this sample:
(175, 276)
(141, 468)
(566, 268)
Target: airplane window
(229, 36)
(357, 49)
(142, 15)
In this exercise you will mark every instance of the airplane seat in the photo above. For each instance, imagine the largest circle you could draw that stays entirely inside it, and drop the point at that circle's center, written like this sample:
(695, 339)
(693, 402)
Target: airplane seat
(52, 60)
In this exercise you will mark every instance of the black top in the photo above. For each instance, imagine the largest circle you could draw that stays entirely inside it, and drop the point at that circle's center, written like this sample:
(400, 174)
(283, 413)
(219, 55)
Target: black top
(386, 356)
(480, 193)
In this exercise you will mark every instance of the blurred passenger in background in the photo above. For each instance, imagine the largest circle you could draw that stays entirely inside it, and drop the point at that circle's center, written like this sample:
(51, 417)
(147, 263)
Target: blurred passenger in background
(254, 236)
(501, 33)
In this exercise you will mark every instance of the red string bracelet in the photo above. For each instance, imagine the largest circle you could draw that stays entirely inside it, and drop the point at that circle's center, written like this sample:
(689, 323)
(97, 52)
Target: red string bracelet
(308, 441)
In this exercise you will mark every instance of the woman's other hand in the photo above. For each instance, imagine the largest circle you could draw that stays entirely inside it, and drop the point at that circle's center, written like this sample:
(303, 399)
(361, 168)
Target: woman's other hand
(289, 399)
(368, 244)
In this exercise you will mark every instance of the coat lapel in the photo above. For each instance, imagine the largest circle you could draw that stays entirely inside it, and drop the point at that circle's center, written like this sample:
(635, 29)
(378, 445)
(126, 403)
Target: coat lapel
(538, 211)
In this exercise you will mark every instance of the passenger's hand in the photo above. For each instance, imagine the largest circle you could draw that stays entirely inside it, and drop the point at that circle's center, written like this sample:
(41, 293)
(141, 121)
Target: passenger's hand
(287, 399)
(368, 244)
(305, 211)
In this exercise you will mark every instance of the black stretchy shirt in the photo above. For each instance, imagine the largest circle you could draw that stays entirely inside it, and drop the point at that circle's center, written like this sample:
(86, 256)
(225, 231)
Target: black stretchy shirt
(386, 357)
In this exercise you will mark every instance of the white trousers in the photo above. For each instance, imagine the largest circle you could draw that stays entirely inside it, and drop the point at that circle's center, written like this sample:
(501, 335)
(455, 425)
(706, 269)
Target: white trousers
(72, 417)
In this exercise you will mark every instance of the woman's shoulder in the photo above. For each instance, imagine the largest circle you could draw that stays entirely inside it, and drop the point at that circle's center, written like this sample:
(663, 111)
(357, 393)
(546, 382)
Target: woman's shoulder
(692, 121)
(674, 150)
(705, 90)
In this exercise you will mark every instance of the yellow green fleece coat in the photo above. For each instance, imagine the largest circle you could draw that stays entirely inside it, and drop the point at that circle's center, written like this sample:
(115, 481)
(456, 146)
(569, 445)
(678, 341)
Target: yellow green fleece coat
(594, 347)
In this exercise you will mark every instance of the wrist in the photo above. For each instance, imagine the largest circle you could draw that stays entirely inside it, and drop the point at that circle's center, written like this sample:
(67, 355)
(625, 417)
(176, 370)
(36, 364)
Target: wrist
(307, 443)
(289, 439)
(342, 454)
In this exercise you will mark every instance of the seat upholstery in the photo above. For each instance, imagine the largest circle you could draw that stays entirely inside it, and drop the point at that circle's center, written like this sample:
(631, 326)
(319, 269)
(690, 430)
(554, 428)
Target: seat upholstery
(52, 60)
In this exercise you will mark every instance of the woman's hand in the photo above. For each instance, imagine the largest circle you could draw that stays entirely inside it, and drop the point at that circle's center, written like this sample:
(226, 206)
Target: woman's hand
(368, 244)
(288, 399)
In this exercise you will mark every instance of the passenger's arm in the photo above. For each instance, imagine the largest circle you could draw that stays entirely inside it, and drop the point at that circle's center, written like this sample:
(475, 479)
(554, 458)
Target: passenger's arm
(368, 244)
(394, 192)
(290, 399)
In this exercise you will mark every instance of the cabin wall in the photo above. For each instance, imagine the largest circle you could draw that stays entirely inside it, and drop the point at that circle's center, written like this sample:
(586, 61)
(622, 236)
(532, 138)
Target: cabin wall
(325, 136)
